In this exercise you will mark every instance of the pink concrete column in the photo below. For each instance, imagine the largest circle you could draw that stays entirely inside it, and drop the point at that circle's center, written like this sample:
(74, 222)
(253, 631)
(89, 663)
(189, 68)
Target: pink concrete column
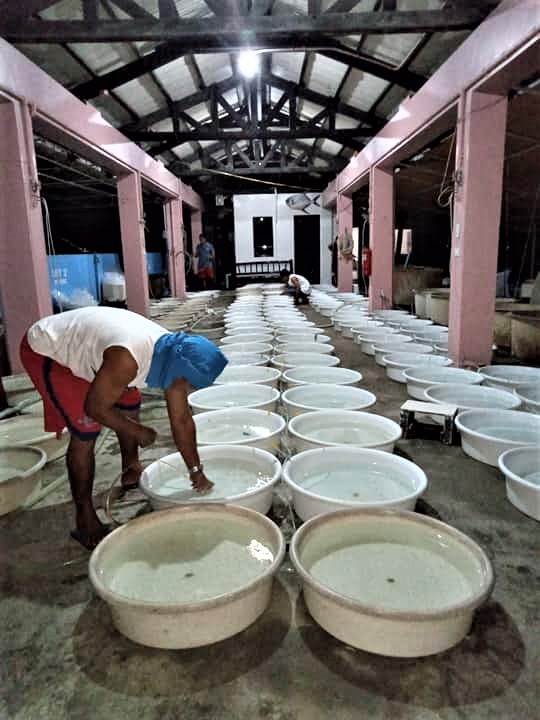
(133, 247)
(345, 223)
(477, 211)
(24, 276)
(381, 233)
(196, 230)
(175, 233)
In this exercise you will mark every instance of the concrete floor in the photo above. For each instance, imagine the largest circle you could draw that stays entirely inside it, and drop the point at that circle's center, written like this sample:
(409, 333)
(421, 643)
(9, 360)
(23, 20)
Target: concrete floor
(61, 658)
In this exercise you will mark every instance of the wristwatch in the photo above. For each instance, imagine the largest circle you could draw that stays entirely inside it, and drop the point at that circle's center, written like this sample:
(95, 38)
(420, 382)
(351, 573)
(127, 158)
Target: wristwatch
(195, 469)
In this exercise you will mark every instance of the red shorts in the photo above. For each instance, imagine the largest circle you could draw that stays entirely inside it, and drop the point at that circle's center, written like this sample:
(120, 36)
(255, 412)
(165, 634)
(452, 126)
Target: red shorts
(64, 395)
(206, 273)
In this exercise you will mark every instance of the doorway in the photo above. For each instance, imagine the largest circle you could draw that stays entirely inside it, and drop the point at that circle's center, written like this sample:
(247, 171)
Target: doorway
(307, 247)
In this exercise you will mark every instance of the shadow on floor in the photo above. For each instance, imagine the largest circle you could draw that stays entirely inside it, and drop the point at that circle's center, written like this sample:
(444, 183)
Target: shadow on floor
(114, 662)
(484, 665)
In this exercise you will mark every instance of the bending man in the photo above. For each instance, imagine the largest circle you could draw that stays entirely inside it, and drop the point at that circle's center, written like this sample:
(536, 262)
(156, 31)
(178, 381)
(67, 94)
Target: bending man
(88, 364)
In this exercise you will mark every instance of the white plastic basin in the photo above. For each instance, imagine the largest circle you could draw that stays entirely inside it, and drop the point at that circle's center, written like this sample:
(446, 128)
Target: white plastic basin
(332, 479)
(188, 576)
(235, 330)
(257, 374)
(305, 347)
(247, 347)
(306, 335)
(288, 360)
(397, 363)
(530, 397)
(241, 475)
(28, 430)
(309, 375)
(306, 398)
(247, 338)
(420, 378)
(313, 430)
(414, 589)
(508, 377)
(240, 426)
(246, 395)
(19, 476)
(245, 358)
(521, 468)
(486, 434)
(389, 348)
(18, 388)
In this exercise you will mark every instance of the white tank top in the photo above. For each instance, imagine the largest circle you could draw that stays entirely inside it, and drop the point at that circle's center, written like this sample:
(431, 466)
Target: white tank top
(77, 339)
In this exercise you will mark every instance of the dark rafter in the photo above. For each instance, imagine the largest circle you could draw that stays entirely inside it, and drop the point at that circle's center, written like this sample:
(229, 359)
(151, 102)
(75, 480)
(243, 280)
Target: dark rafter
(238, 29)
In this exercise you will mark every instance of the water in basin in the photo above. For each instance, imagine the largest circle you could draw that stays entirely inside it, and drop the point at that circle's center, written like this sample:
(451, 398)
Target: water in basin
(392, 576)
(7, 473)
(346, 434)
(228, 432)
(356, 484)
(188, 563)
(228, 475)
(533, 478)
(510, 433)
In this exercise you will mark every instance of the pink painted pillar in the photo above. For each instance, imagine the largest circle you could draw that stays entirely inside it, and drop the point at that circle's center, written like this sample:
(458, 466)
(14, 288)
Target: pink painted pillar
(345, 222)
(175, 234)
(477, 213)
(196, 230)
(381, 233)
(24, 276)
(133, 247)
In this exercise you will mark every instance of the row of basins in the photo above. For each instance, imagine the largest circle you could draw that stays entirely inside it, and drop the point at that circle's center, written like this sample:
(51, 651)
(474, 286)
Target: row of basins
(286, 419)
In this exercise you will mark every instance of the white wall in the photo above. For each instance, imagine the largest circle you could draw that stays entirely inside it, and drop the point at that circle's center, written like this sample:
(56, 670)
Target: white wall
(246, 207)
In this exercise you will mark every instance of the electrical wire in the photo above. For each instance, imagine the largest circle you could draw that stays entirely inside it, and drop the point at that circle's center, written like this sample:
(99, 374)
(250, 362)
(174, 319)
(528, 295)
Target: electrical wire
(51, 250)
(255, 180)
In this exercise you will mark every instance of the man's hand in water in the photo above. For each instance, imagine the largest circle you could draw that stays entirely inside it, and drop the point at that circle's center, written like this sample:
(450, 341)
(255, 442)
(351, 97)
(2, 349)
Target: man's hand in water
(201, 483)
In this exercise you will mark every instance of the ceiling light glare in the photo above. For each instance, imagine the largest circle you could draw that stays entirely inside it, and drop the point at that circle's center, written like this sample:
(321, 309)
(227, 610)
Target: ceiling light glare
(248, 63)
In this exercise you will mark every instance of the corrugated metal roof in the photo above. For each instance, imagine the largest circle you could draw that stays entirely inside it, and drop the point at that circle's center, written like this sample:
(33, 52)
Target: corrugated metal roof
(104, 57)
(307, 109)
(214, 67)
(437, 49)
(325, 75)
(63, 10)
(141, 95)
(390, 102)
(111, 110)
(176, 77)
(391, 49)
(288, 65)
(57, 62)
(331, 147)
(362, 89)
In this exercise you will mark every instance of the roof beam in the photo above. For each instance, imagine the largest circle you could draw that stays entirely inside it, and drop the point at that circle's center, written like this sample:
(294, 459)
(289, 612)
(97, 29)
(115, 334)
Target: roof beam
(275, 171)
(235, 29)
(27, 8)
(133, 9)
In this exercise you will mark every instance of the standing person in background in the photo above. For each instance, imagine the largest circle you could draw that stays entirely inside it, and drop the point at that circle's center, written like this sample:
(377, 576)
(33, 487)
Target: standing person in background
(206, 256)
(299, 284)
(334, 250)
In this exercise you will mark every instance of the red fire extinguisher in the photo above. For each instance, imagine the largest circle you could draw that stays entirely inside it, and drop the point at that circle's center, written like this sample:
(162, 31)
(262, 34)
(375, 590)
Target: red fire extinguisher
(366, 262)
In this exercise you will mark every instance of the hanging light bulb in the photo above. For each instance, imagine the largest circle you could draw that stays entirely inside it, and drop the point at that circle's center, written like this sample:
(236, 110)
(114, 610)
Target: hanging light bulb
(248, 63)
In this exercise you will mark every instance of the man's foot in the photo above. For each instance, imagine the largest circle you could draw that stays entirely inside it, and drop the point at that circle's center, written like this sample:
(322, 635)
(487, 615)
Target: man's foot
(91, 539)
(131, 476)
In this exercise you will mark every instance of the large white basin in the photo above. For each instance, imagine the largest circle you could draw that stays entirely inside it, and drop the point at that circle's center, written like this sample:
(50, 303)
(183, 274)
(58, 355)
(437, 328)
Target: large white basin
(332, 479)
(19, 387)
(247, 347)
(262, 337)
(188, 576)
(302, 335)
(247, 358)
(391, 582)
(486, 434)
(28, 430)
(19, 476)
(257, 374)
(313, 430)
(530, 397)
(521, 468)
(245, 395)
(295, 359)
(388, 349)
(240, 426)
(508, 377)
(397, 363)
(306, 398)
(312, 374)
(241, 475)
(305, 347)
(420, 378)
